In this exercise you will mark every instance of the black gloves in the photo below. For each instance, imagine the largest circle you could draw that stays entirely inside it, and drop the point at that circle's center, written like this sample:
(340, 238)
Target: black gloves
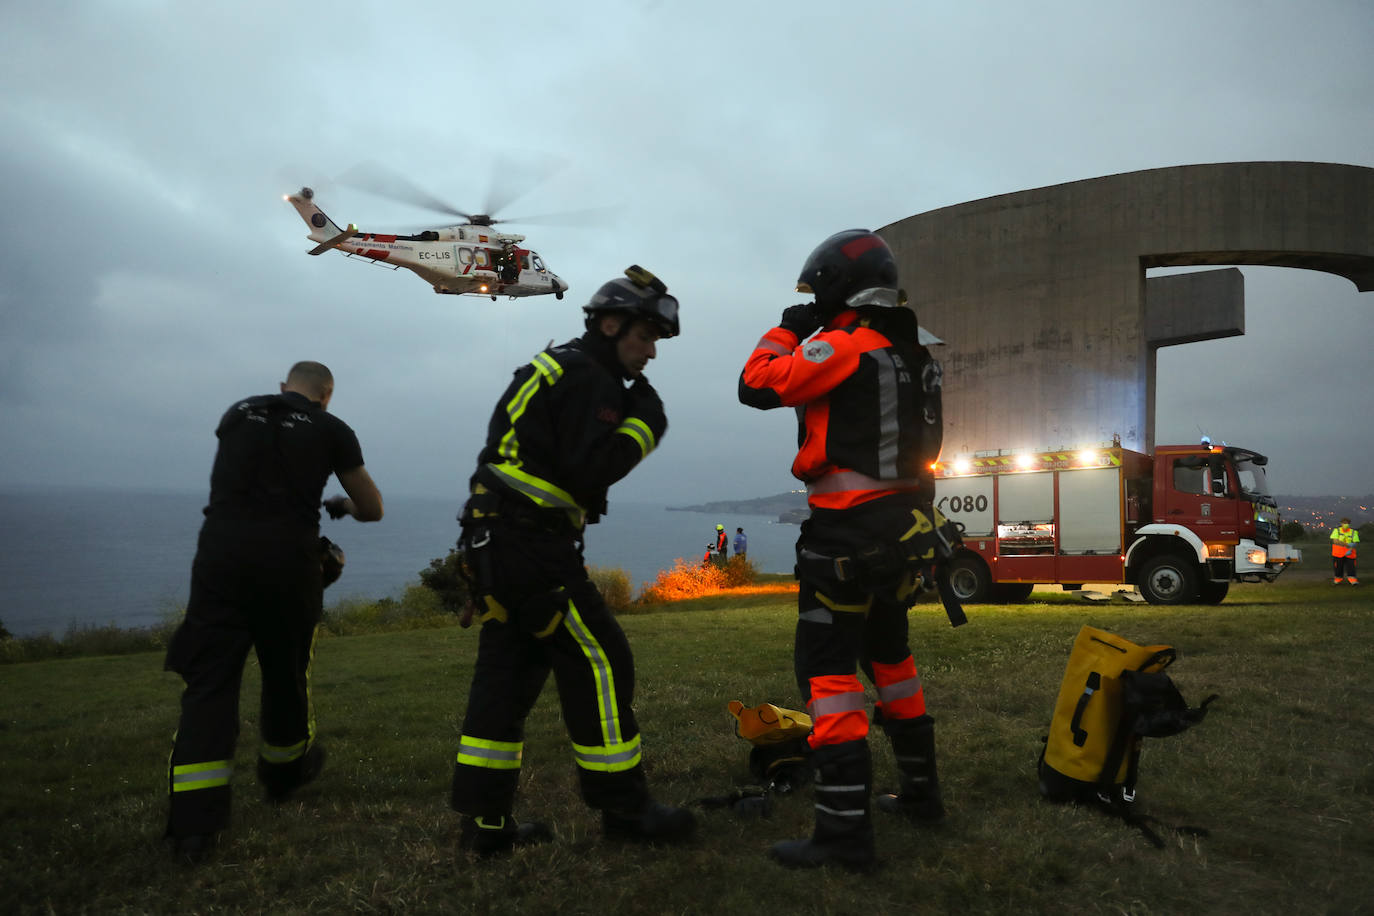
(803, 320)
(336, 506)
(644, 403)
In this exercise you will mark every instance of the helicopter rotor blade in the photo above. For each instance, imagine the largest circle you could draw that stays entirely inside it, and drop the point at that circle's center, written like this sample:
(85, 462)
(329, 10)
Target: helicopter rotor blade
(560, 218)
(377, 179)
(511, 180)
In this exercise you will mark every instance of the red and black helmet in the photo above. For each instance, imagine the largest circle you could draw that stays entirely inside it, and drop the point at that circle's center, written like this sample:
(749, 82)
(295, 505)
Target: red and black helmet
(640, 294)
(851, 269)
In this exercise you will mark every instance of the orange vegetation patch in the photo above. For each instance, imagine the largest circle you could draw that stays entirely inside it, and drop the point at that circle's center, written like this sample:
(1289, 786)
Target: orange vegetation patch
(694, 580)
(773, 588)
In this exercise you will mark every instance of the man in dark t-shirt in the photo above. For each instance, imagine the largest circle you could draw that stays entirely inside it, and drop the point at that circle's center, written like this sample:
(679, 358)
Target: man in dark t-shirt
(256, 582)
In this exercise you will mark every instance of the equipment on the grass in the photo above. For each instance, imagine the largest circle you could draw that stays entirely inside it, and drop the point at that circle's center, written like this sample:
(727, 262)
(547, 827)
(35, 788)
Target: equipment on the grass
(1113, 694)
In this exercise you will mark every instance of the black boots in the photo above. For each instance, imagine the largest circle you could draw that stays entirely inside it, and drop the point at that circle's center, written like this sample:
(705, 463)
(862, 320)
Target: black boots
(193, 849)
(649, 822)
(918, 794)
(844, 833)
(493, 836)
(280, 780)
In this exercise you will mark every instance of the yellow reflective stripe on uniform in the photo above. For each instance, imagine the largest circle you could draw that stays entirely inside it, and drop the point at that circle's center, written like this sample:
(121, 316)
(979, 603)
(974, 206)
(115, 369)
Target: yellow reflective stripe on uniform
(639, 431)
(495, 610)
(845, 608)
(273, 754)
(191, 776)
(546, 368)
(602, 677)
(493, 755)
(536, 489)
(612, 758)
(553, 625)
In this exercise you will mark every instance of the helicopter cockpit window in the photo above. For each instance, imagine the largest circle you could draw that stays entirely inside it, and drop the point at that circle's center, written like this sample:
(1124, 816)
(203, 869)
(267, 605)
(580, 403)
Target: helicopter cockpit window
(539, 263)
(525, 261)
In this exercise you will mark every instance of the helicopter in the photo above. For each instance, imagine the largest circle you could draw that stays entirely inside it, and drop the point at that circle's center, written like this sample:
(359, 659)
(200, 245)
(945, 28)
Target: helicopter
(469, 258)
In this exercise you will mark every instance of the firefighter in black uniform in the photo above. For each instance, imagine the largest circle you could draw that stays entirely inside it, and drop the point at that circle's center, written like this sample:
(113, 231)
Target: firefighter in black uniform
(573, 421)
(868, 396)
(257, 582)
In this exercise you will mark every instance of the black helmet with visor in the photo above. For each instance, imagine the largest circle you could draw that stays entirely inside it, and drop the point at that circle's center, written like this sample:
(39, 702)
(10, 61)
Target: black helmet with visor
(639, 294)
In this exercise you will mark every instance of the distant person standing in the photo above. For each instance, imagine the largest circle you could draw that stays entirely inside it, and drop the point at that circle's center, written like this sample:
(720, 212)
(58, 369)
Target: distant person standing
(722, 544)
(741, 544)
(1344, 541)
(257, 582)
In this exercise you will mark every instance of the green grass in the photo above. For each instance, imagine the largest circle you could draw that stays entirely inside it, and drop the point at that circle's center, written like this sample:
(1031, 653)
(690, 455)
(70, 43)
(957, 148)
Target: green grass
(1280, 772)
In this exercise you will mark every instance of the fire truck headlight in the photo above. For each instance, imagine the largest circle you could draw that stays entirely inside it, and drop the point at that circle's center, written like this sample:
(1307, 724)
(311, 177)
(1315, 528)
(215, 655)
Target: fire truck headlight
(1257, 556)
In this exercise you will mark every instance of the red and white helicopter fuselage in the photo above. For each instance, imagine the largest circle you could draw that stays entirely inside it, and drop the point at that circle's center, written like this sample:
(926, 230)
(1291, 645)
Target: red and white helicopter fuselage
(459, 259)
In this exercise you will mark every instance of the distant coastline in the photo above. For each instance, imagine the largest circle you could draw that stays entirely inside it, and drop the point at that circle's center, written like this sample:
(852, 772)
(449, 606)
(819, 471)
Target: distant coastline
(789, 508)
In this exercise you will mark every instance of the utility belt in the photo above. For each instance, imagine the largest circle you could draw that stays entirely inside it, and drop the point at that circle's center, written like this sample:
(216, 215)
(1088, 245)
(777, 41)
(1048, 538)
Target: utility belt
(491, 508)
(924, 551)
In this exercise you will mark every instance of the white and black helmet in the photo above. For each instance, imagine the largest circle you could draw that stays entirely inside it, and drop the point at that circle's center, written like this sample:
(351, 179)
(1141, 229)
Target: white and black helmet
(640, 294)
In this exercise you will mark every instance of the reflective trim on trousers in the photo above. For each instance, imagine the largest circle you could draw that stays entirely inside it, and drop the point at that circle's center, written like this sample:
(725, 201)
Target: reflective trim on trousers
(609, 759)
(492, 755)
(273, 754)
(836, 704)
(609, 711)
(188, 777)
(900, 694)
(838, 710)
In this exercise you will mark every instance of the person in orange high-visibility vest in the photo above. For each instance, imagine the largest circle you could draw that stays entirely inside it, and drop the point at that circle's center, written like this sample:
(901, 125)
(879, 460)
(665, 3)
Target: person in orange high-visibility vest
(1344, 540)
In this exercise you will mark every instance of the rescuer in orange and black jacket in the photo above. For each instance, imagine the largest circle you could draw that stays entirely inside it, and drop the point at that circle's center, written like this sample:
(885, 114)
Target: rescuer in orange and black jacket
(868, 397)
(573, 421)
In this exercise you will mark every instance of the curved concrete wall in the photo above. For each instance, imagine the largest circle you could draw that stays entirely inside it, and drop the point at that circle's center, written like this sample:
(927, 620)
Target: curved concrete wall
(1041, 295)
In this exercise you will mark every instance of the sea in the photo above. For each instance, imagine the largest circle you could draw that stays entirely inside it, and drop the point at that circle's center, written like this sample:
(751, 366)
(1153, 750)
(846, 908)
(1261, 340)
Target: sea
(80, 558)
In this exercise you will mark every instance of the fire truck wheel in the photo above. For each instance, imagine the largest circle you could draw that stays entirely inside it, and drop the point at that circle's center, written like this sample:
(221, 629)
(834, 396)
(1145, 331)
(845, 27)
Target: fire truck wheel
(969, 578)
(1168, 579)
(1213, 592)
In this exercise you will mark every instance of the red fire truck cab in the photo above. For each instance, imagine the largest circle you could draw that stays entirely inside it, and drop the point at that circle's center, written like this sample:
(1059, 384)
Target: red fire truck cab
(1180, 525)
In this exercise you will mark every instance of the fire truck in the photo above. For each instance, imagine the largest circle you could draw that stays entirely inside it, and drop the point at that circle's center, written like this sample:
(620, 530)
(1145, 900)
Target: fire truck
(1180, 525)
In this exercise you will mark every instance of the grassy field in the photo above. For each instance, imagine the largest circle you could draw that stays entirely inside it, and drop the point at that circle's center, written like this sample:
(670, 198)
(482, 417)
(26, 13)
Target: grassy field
(1280, 773)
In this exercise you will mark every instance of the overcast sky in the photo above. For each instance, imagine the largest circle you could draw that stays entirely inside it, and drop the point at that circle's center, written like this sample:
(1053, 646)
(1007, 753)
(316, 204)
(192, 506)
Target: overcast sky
(151, 273)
